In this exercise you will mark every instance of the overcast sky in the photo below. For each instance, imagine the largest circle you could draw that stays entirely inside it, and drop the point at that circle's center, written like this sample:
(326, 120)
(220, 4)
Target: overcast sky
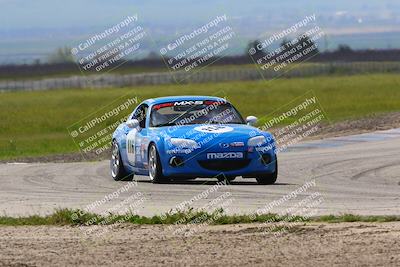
(17, 14)
(33, 28)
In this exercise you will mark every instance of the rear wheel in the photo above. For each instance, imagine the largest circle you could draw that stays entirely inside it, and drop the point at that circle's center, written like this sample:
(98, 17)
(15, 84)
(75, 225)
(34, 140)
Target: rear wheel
(155, 168)
(118, 171)
(269, 178)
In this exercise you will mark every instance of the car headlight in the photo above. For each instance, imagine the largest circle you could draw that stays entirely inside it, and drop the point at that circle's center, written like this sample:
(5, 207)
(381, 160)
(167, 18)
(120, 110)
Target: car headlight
(256, 141)
(183, 143)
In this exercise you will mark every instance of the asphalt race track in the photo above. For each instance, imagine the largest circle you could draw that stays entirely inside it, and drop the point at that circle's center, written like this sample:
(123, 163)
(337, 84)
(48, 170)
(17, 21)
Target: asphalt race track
(357, 174)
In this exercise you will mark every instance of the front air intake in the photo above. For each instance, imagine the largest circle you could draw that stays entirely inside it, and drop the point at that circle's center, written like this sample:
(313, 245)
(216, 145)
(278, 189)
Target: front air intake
(223, 164)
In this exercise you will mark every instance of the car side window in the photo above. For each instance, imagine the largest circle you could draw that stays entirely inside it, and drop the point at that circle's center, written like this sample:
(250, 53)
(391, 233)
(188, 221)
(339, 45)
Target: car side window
(140, 115)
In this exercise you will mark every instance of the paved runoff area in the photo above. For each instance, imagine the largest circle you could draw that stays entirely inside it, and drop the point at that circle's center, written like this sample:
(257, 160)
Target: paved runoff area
(358, 174)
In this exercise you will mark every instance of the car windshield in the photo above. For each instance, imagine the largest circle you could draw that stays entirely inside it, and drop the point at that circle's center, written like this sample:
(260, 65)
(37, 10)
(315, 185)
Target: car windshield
(194, 112)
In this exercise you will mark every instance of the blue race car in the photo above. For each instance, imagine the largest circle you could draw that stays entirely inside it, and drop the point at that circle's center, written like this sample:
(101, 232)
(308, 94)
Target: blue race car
(185, 137)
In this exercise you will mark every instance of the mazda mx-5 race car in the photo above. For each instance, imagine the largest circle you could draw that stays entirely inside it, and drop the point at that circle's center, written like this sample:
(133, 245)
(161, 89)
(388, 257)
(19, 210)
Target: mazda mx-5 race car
(185, 137)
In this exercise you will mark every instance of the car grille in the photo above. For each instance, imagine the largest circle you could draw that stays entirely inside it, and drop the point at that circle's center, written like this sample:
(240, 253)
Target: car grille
(223, 164)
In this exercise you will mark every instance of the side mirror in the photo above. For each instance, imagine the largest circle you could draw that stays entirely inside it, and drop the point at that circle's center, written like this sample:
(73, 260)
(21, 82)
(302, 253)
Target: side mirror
(133, 123)
(251, 120)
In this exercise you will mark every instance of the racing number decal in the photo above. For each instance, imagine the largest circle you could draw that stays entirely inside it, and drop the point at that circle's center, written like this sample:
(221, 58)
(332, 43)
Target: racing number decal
(213, 129)
(130, 146)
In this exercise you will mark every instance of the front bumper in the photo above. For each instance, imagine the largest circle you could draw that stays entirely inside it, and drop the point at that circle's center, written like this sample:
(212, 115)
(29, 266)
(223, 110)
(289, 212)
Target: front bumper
(195, 164)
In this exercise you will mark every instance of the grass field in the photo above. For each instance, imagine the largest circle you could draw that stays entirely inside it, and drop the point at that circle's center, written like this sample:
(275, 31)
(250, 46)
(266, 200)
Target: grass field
(347, 68)
(35, 123)
(190, 216)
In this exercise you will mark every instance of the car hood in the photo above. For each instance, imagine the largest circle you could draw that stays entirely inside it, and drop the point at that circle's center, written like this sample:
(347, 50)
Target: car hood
(199, 132)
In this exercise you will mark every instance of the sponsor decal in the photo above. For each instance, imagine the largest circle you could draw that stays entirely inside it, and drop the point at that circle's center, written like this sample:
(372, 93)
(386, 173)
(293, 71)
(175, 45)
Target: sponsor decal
(213, 129)
(233, 144)
(236, 144)
(225, 155)
(179, 151)
(224, 145)
(189, 102)
(264, 149)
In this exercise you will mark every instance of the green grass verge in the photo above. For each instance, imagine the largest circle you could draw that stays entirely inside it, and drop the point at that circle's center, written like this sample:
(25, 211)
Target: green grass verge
(388, 66)
(35, 123)
(190, 216)
(356, 218)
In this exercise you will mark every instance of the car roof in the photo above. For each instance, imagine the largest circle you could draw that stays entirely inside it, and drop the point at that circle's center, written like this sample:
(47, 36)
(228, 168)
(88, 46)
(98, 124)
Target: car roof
(165, 99)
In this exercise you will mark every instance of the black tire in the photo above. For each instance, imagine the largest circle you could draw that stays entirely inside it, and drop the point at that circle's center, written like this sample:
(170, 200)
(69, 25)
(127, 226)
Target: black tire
(269, 178)
(155, 167)
(118, 172)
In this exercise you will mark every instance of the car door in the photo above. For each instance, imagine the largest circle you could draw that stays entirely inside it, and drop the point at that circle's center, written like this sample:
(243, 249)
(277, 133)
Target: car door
(135, 136)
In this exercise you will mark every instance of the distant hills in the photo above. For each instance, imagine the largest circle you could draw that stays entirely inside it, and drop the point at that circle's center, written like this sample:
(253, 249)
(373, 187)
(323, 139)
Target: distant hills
(32, 29)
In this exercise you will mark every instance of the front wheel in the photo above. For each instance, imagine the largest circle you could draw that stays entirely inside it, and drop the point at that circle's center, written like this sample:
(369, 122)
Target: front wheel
(268, 178)
(118, 171)
(155, 168)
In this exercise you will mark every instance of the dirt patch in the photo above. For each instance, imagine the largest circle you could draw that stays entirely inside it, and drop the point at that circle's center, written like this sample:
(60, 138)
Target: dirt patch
(348, 127)
(345, 244)
(368, 124)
